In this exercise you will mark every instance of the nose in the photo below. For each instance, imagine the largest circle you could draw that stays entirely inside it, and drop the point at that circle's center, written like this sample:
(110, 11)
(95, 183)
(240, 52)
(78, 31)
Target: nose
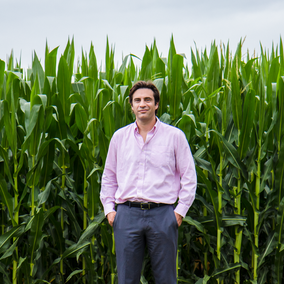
(142, 103)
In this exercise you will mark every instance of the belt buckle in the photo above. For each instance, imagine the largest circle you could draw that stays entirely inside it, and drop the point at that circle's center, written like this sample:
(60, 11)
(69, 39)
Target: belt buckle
(142, 208)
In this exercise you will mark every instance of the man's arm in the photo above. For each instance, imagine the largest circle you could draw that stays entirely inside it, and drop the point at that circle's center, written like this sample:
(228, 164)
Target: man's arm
(188, 181)
(109, 182)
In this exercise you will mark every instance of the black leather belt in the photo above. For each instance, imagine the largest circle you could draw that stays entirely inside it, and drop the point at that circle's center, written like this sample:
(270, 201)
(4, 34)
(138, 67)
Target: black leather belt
(143, 205)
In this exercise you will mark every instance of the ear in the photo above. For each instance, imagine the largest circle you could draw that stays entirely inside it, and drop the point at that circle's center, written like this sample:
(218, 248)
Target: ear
(157, 105)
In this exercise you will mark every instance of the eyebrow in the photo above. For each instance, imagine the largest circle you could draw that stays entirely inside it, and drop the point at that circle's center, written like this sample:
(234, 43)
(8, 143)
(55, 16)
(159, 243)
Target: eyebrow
(146, 98)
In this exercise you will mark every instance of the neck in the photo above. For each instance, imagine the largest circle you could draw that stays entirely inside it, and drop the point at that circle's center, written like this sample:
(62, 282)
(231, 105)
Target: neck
(145, 126)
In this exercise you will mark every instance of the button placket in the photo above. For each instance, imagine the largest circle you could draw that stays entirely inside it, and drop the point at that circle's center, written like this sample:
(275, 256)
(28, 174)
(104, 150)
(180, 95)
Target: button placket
(141, 173)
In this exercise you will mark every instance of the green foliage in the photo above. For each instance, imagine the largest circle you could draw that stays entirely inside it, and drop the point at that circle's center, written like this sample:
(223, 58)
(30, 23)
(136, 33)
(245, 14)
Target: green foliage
(55, 128)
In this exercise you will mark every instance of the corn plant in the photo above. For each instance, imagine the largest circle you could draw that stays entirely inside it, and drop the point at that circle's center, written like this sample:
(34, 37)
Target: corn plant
(57, 119)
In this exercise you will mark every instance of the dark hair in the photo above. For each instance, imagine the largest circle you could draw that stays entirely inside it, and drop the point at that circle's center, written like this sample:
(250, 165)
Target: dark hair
(145, 85)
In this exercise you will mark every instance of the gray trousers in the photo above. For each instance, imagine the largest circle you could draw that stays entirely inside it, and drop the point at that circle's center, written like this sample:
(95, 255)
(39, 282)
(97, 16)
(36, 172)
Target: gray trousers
(133, 229)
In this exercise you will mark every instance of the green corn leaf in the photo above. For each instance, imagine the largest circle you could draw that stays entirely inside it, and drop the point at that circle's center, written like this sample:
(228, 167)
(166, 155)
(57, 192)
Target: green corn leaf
(279, 175)
(78, 271)
(196, 68)
(146, 67)
(50, 211)
(5, 274)
(234, 220)
(233, 155)
(176, 82)
(108, 240)
(64, 87)
(2, 72)
(69, 55)
(171, 54)
(93, 68)
(4, 156)
(91, 229)
(248, 118)
(76, 229)
(278, 267)
(6, 197)
(203, 164)
(280, 100)
(74, 249)
(261, 109)
(143, 280)
(203, 280)
(109, 59)
(78, 87)
(268, 249)
(187, 123)
(50, 61)
(41, 100)
(35, 91)
(194, 223)
(93, 190)
(81, 118)
(108, 120)
(268, 166)
(212, 194)
(36, 233)
(226, 269)
(44, 147)
(21, 261)
(95, 169)
(10, 250)
(103, 145)
(11, 134)
(262, 276)
(33, 119)
(38, 73)
(212, 79)
(15, 232)
(280, 223)
(12, 77)
(47, 160)
(236, 97)
(39, 281)
(43, 196)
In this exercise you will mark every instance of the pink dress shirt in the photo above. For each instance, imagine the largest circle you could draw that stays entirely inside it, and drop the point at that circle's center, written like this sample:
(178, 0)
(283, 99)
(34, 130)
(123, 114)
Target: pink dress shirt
(161, 170)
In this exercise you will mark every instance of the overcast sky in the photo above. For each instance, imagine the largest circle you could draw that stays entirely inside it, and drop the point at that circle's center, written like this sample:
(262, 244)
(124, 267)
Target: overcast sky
(130, 25)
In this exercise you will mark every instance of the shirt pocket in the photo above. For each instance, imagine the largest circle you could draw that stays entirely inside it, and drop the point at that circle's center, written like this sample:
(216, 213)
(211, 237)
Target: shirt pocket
(160, 157)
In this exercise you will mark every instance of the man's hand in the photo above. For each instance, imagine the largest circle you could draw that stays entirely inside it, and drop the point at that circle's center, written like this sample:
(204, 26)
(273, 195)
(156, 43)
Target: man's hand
(179, 218)
(110, 217)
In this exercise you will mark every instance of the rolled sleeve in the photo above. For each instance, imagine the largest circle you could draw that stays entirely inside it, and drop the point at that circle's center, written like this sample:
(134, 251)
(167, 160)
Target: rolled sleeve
(109, 180)
(188, 180)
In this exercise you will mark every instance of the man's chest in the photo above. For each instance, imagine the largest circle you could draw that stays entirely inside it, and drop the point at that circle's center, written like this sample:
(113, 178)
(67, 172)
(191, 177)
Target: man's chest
(158, 152)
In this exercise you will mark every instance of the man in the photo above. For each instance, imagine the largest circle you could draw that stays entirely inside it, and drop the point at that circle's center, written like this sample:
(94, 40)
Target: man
(148, 167)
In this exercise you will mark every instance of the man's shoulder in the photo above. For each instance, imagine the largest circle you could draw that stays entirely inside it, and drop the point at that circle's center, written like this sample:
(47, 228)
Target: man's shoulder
(123, 130)
(173, 130)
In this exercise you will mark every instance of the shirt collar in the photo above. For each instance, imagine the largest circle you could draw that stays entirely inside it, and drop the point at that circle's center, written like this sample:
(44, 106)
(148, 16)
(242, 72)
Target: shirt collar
(156, 125)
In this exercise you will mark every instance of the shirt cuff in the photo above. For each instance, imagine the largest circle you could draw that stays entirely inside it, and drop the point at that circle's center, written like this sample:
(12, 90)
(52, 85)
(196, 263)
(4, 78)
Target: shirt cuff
(181, 209)
(110, 207)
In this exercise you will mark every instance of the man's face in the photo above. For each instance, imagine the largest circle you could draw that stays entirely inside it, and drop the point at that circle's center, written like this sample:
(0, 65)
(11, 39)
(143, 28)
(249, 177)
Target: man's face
(143, 105)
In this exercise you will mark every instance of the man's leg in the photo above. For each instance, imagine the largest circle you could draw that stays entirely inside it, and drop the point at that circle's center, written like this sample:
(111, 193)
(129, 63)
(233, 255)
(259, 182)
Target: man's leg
(129, 243)
(161, 238)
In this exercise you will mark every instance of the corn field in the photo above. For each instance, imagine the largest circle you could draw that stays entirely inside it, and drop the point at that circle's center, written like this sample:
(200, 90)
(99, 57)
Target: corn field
(56, 121)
